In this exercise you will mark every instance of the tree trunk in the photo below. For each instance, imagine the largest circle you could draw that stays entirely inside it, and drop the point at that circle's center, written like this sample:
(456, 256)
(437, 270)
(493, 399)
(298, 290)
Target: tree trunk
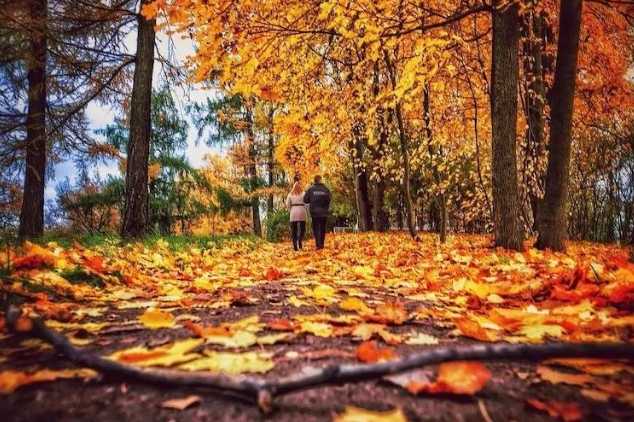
(270, 163)
(379, 216)
(508, 230)
(32, 214)
(535, 97)
(441, 197)
(364, 203)
(407, 196)
(554, 216)
(405, 187)
(135, 220)
(252, 171)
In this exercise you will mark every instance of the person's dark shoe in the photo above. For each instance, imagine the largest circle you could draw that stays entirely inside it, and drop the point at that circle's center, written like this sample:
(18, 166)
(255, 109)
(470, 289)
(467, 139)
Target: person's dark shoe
(295, 247)
(299, 245)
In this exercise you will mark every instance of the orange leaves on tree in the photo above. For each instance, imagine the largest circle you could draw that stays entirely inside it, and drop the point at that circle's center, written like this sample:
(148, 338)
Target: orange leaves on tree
(568, 412)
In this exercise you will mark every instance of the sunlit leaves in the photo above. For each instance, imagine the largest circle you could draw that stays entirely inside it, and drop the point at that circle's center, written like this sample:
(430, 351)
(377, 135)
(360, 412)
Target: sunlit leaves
(10, 380)
(355, 414)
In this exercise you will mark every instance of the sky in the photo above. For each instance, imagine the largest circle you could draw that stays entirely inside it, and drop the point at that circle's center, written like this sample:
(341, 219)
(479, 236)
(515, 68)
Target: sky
(101, 116)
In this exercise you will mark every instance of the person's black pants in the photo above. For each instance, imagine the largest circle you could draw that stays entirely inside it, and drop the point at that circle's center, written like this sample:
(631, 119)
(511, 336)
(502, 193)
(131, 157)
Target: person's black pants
(298, 230)
(319, 231)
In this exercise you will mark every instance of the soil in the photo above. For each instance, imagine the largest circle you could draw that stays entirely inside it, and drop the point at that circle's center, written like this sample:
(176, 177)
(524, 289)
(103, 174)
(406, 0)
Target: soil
(108, 399)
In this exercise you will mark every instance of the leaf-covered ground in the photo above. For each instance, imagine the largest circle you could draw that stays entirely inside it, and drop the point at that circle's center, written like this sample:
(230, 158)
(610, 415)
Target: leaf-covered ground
(265, 311)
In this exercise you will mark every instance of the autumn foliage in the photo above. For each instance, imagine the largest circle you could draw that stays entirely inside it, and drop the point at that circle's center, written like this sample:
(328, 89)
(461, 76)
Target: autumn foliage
(376, 295)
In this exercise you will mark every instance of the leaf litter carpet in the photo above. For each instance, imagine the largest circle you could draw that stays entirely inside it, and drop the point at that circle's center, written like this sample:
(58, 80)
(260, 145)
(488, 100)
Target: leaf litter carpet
(262, 311)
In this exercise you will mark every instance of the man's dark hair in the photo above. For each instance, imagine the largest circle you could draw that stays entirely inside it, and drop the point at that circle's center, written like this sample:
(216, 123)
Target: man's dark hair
(317, 179)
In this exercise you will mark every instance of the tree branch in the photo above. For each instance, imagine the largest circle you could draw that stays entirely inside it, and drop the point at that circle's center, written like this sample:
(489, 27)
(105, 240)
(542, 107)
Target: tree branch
(263, 392)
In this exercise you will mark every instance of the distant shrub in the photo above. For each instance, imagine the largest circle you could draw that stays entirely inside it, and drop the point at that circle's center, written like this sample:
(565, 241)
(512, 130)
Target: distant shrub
(277, 226)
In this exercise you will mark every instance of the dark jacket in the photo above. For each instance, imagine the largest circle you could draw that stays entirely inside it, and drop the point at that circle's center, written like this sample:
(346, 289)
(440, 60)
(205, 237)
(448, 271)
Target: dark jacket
(318, 197)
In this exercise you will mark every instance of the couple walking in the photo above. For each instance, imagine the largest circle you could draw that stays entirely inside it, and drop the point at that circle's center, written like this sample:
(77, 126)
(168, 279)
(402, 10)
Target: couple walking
(317, 197)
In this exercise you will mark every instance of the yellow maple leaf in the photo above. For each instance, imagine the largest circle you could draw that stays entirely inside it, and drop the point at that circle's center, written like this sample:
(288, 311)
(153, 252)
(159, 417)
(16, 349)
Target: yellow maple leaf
(318, 329)
(354, 304)
(231, 363)
(168, 355)
(422, 339)
(155, 318)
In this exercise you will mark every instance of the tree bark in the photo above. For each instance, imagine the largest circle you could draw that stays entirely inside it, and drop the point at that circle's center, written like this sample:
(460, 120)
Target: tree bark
(252, 170)
(441, 197)
(270, 162)
(535, 96)
(379, 216)
(402, 136)
(32, 213)
(135, 220)
(364, 203)
(508, 230)
(554, 216)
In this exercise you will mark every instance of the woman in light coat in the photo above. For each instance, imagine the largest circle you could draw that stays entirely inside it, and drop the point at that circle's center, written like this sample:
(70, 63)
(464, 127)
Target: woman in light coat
(297, 208)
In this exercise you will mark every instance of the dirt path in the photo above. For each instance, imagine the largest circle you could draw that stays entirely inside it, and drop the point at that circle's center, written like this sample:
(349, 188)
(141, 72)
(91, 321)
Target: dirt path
(272, 297)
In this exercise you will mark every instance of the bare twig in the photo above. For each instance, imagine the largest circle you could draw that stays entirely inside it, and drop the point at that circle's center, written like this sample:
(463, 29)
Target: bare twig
(484, 411)
(263, 392)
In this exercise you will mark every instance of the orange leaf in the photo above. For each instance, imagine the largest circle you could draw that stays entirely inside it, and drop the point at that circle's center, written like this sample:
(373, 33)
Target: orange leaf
(273, 274)
(460, 377)
(472, 329)
(389, 313)
(568, 412)
(368, 352)
(23, 324)
(282, 325)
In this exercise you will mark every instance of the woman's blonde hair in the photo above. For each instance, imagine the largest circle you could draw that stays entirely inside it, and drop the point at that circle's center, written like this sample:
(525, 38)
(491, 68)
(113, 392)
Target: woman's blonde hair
(297, 189)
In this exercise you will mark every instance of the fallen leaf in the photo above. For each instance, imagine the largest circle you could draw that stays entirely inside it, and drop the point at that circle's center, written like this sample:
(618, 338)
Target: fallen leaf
(231, 363)
(421, 339)
(568, 412)
(355, 304)
(10, 380)
(154, 318)
(181, 404)
(461, 377)
(168, 355)
(356, 414)
(548, 374)
(369, 353)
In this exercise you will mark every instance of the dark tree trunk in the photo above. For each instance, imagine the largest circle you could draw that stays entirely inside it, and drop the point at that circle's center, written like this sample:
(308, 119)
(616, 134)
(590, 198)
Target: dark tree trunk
(441, 197)
(135, 219)
(270, 163)
(379, 216)
(407, 196)
(361, 184)
(32, 214)
(402, 136)
(508, 230)
(252, 171)
(554, 218)
(535, 97)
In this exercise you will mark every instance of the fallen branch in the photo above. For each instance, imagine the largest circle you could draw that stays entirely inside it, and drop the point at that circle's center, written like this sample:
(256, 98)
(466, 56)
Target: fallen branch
(263, 392)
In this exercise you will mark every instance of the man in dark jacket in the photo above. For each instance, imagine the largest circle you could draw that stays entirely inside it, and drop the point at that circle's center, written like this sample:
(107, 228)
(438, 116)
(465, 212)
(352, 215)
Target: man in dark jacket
(318, 198)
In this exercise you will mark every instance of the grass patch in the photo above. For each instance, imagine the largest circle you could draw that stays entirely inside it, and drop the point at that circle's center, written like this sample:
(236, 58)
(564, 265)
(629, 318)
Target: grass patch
(77, 275)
